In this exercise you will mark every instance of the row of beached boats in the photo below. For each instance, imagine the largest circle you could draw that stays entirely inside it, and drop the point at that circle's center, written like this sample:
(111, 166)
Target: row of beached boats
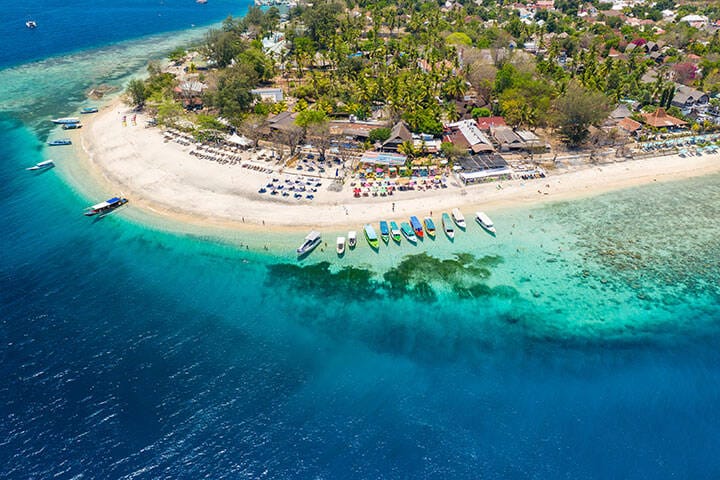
(100, 209)
(413, 231)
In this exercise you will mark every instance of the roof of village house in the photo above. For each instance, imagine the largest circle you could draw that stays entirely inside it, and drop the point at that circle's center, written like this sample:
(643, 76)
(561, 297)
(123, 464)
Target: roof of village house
(282, 121)
(399, 134)
(471, 134)
(660, 119)
(355, 129)
(485, 123)
(528, 137)
(629, 125)
(622, 111)
(685, 94)
(506, 136)
(194, 87)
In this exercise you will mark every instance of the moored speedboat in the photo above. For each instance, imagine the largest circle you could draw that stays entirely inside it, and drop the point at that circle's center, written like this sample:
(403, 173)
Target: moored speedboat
(429, 226)
(407, 232)
(371, 236)
(384, 231)
(87, 110)
(352, 239)
(61, 141)
(106, 207)
(417, 227)
(42, 165)
(71, 126)
(311, 241)
(459, 218)
(448, 226)
(66, 120)
(395, 232)
(485, 222)
(340, 245)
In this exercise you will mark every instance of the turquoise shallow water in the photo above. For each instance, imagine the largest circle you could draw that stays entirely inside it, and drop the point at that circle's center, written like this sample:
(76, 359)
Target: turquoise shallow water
(579, 343)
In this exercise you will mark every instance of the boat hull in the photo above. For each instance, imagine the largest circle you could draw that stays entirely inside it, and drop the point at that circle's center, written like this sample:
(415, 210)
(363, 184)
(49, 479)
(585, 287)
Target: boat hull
(417, 227)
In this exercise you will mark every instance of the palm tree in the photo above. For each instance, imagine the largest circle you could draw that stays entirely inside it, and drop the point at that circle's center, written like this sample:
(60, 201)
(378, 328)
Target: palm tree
(451, 112)
(407, 148)
(455, 87)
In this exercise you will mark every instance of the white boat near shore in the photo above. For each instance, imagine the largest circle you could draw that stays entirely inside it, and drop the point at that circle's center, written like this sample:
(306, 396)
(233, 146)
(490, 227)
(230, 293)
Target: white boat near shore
(312, 240)
(485, 222)
(66, 120)
(459, 218)
(340, 245)
(42, 165)
(352, 239)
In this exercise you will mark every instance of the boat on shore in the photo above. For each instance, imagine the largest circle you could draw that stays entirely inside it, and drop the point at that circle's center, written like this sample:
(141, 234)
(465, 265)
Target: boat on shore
(71, 126)
(340, 245)
(408, 232)
(459, 218)
(66, 120)
(395, 232)
(352, 239)
(87, 110)
(103, 208)
(371, 236)
(448, 226)
(59, 142)
(417, 227)
(384, 231)
(42, 165)
(429, 226)
(311, 241)
(485, 222)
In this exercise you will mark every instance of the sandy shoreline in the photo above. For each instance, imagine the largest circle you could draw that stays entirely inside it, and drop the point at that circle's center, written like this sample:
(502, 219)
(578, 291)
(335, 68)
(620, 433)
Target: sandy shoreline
(164, 179)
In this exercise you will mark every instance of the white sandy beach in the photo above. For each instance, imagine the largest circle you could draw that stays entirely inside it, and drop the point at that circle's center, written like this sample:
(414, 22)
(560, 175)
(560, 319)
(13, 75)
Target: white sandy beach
(164, 178)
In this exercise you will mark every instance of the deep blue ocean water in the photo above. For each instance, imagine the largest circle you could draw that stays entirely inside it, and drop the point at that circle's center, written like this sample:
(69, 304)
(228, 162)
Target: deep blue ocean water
(581, 343)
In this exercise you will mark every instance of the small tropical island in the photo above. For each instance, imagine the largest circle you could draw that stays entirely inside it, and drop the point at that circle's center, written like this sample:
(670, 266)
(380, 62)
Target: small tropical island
(337, 113)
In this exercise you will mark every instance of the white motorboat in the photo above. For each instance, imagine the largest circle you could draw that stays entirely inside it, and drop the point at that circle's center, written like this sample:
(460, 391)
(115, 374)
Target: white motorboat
(42, 165)
(312, 240)
(458, 218)
(66, 120)
(352, 238)
(485, 221)
(340, 245)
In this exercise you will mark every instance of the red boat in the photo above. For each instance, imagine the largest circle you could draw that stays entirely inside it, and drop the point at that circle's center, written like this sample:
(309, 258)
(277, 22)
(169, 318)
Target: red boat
(417, 227)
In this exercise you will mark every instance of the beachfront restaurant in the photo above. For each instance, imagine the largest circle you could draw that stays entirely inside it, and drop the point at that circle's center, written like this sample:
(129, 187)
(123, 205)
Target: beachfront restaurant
(483, 168)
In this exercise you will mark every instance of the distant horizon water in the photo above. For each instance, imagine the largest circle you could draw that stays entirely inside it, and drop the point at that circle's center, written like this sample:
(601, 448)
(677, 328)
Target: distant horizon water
(581, 342)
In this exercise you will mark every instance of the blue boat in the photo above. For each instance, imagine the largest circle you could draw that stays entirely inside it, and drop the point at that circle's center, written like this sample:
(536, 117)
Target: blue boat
(384, 231)
(407, 231)
(89, 110)
(62, 141)
(103, 208)
(417, 227)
